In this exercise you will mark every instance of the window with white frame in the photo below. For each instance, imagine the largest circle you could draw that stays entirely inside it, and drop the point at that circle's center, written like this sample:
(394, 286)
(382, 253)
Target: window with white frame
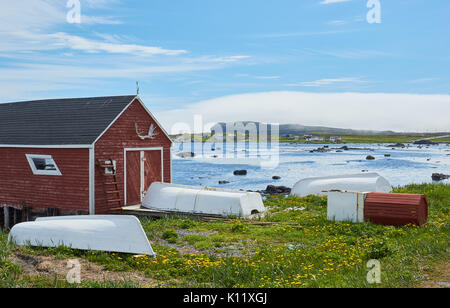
(43, 165)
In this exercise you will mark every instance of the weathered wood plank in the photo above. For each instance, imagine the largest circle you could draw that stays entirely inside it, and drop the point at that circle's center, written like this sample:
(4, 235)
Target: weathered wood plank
(137, 210)
(6, 215)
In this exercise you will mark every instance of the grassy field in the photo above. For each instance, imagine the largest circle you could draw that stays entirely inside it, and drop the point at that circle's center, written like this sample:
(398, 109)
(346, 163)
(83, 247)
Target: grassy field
(446, 139)
(296, 248)
(398, 138)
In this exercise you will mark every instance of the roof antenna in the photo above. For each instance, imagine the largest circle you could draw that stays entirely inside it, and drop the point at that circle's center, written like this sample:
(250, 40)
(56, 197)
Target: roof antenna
(137, 88)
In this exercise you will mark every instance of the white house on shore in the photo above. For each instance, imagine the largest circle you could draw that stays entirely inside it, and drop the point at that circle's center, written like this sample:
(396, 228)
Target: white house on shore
(313, 138)
(335, 139)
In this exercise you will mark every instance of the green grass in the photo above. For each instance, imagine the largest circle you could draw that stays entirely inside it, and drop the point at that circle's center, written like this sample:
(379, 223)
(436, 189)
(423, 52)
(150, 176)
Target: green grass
(379, 139)
(397, 138)
(445, 139)
(301, 248)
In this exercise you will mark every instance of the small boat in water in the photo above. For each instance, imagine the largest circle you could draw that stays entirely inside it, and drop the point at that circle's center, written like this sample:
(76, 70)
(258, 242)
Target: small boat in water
(366, 182)
(103, 233)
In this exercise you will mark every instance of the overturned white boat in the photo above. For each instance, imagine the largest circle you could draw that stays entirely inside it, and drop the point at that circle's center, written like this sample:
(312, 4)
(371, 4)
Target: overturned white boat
(199, 200)
(364, 182)
(103, 233)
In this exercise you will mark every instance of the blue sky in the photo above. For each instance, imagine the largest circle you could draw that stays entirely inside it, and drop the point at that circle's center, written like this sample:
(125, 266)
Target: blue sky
(212, 57)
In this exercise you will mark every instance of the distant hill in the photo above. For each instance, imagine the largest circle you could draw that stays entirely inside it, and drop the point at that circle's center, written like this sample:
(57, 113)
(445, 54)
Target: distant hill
(297, 129)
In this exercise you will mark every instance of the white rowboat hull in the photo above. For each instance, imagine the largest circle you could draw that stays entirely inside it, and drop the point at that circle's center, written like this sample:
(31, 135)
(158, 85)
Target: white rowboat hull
(365, 182)
(199, 200)
(102, 233)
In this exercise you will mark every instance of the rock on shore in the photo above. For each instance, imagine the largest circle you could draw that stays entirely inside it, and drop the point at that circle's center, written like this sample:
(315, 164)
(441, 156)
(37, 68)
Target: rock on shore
(186, 155)
(440, 177)
(276, 190)
(397, 145)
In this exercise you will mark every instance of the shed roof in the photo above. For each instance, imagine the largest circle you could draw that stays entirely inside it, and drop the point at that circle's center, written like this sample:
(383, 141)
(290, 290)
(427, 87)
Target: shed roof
(73, 121)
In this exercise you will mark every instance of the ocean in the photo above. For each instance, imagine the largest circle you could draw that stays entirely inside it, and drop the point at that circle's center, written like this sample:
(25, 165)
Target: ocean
(293, 162)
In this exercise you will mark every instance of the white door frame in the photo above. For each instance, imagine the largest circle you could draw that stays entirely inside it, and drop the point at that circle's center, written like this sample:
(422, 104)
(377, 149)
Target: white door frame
(141, 150)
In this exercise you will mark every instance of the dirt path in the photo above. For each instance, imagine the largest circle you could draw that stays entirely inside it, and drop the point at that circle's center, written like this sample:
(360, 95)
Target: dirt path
(51, 266)
(439, 277)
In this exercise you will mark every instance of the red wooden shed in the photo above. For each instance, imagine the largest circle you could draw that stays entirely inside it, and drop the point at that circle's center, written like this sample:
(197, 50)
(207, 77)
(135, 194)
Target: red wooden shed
(396, 209)
(80, 154)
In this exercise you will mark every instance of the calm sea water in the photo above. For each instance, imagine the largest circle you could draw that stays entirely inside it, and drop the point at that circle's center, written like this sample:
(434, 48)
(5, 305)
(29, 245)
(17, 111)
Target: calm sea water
(405, 166)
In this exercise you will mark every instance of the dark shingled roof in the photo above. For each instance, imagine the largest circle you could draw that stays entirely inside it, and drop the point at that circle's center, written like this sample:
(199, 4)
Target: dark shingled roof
(74, 121)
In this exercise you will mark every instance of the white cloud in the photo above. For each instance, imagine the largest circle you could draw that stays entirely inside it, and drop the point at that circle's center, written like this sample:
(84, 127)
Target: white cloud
(42, 58)
(68, 73)
(333, 1)
(100, 20)
(300, 34)
(64, 40)
(29, 25)
(38, 15)
(214, 59)
(31, 41)
(268, 77)
(351, 53)
(327, 82)
(99, 3)
(234, 58)
(375, 111)
(39, 74)
(423, 80)
(337, 22)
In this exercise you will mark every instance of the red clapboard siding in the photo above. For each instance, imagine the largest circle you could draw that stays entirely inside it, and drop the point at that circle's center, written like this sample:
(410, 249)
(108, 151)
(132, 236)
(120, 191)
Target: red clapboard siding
(69, 192)
(121, 135)
(396, 209)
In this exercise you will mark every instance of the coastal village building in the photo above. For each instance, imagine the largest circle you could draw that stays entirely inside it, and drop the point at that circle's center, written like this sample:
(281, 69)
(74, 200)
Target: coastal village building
(313, 138)
(335, 139)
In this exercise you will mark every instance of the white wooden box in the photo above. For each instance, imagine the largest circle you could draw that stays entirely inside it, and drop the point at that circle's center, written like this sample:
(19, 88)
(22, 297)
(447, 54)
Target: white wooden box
(346, 206)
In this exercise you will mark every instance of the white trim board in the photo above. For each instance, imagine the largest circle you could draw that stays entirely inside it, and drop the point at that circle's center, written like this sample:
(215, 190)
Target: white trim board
(141, 150)
(123, 111)
(92, 181)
